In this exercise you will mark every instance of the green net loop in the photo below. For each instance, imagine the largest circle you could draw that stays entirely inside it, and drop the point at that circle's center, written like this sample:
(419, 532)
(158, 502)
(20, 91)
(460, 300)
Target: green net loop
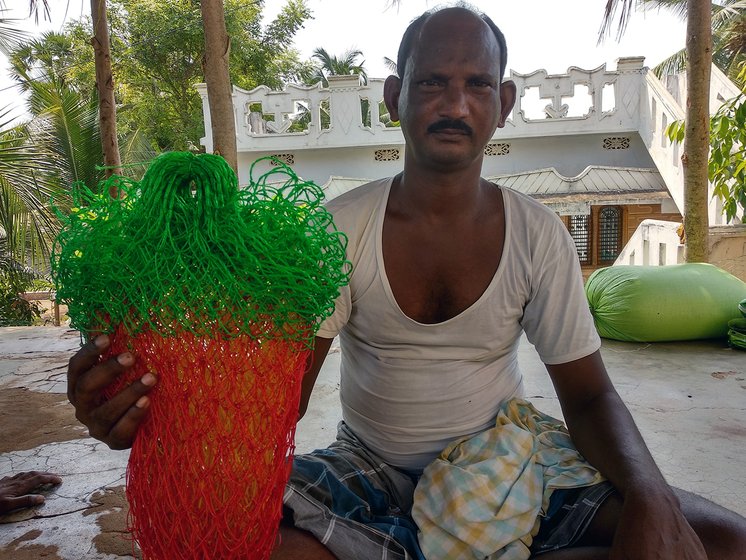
(185, 249)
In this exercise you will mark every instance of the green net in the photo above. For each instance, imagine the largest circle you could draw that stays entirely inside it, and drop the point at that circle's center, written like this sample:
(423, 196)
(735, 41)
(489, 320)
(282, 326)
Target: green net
(186, 249)
(218, 291)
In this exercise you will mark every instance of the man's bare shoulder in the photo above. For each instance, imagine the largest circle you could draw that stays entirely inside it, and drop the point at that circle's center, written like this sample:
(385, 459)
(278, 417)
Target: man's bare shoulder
(368, 191)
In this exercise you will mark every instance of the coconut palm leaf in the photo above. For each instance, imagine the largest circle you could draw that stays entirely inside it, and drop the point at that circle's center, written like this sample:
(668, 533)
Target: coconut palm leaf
(10, 36)
(67, 126)
(346, 65)
(136, 151)
(26, 187)
(728, 28)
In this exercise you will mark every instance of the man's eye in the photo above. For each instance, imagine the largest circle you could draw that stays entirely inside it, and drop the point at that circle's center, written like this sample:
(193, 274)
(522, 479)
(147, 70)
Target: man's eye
(430, 83)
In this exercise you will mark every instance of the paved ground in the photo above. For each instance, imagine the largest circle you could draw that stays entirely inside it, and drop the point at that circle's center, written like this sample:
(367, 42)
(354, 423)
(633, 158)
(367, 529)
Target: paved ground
(689, 400)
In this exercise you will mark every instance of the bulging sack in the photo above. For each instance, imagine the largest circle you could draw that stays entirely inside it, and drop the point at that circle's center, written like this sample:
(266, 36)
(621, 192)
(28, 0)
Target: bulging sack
(663, 303)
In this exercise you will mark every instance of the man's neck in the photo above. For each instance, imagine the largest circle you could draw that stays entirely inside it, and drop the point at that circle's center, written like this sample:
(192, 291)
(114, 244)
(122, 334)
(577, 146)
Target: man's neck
(438, 193)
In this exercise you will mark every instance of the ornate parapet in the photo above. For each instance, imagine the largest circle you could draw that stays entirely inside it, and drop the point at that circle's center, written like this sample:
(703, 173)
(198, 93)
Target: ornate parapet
(348, 113)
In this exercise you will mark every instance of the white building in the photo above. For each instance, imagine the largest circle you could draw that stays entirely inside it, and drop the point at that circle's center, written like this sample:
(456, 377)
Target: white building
(590, 144)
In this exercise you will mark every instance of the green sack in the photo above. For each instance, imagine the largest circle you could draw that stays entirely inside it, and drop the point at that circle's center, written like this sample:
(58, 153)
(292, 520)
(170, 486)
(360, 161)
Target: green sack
(737, 333)
(663, 303)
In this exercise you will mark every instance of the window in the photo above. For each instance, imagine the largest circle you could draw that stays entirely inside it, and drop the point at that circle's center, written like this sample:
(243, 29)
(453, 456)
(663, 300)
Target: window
(598, 235)
(580, 232)
(609, 230)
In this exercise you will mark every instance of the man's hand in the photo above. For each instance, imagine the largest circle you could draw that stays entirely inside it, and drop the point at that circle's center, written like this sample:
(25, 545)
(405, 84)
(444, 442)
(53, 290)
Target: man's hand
(14, 490)
(114, 421)
(652, 527)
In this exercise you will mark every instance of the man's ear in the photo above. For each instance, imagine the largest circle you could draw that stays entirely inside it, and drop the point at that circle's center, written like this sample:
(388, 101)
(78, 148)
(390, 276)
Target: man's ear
(391, 91)
(507, 100)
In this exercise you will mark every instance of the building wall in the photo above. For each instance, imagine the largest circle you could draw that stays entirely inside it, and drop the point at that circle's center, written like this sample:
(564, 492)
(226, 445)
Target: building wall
(728, 249)
(636, 213)
(569, 155)
(632, 216)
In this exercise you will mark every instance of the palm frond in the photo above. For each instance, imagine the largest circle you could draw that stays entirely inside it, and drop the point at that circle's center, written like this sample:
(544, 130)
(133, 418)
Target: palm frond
(678, 7)
(674, 64)
(10, 36)
(67, 125)
(624, 7)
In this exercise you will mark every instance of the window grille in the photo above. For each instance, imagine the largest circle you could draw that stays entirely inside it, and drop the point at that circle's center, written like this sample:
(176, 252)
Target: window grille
(616, 143)
(287, 159)
(580, 231)
(609, 230)
(387, 154)
(497, 149)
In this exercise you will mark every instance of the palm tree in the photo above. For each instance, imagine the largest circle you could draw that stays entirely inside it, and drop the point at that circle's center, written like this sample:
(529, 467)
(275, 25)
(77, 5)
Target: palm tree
(217, 78)
(346, 65)
(697, 144)
(26, 187)
(107, 108)
(728, 38)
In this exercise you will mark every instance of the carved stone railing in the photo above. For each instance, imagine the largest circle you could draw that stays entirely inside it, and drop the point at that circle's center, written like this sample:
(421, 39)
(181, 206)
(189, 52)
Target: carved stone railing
(348, 113)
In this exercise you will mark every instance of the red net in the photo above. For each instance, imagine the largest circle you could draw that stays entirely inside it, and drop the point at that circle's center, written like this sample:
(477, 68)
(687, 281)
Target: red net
(208, 468)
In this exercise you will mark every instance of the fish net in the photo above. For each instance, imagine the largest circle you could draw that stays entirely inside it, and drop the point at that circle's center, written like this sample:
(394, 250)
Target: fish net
(219, 292)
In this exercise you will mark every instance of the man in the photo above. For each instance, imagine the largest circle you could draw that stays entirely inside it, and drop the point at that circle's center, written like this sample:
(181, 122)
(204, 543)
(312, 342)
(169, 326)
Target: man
(448, 270)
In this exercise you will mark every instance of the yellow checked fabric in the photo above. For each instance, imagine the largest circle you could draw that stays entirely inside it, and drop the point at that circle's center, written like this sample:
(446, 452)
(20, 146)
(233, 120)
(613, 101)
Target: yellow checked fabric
(483, 496)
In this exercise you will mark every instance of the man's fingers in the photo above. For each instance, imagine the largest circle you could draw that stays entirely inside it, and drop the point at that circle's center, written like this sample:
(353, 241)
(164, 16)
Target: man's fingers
(18, 502)
(27, 481)
(83, 360)
(87, 392)
(123, 433)
(116, 421)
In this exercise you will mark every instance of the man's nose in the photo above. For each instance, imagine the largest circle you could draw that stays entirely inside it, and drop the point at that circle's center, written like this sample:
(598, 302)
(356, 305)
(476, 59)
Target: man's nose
(455, 103)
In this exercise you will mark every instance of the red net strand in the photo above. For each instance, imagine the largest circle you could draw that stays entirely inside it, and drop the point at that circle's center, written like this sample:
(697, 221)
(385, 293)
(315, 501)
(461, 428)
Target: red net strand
(209, 465)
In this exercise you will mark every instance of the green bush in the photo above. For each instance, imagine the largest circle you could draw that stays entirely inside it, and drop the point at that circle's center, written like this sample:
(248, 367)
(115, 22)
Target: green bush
(14, 310)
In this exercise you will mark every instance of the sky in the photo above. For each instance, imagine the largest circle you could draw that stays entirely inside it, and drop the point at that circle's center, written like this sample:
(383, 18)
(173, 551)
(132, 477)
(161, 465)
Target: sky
(544, 34)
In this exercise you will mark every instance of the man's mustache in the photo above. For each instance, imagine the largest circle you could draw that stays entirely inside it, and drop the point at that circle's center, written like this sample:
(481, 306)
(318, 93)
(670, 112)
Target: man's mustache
(451, 124)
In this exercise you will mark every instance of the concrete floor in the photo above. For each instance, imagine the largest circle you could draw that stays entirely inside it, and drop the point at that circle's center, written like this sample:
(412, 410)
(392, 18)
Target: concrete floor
(689, 400)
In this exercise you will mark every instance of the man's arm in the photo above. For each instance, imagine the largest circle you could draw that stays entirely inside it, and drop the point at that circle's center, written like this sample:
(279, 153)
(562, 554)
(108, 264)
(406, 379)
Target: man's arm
(651, 524)
(316, 360)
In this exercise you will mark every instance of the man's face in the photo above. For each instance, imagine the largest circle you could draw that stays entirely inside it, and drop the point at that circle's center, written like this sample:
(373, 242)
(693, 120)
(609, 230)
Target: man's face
(449, 98)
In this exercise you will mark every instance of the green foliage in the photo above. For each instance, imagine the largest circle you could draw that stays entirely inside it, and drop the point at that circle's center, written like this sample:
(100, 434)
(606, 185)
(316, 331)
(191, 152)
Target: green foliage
(27, 182)
(331, 65)
(14, 310)
(157, 50)
(727, 162)
(728, 37)
(727, 166)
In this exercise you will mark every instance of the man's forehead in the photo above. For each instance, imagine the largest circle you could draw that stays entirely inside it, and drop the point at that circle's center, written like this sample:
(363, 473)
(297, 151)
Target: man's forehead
(445, 23)
(447, 28)
(454, 25)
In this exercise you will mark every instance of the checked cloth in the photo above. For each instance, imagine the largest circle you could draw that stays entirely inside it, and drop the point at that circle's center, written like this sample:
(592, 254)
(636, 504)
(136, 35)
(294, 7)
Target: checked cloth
(484, 496)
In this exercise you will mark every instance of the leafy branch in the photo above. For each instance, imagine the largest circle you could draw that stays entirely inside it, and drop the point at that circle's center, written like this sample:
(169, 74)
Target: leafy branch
(727, 161)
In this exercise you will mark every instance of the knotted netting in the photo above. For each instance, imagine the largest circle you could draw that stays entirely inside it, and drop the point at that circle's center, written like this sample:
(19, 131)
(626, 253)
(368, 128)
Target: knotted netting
(218, 291)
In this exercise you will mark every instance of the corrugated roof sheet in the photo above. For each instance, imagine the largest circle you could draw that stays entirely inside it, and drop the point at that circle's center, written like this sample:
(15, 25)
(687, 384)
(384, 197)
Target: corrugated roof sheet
(340, 185)
(593, 180)
(597, 184)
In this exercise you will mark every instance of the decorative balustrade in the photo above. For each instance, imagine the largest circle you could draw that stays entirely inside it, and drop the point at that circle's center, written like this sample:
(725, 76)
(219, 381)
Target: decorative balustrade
(348, 113)
(624, 107)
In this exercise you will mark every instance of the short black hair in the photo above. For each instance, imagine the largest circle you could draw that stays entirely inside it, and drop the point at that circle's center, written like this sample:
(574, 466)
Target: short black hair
(413, 31)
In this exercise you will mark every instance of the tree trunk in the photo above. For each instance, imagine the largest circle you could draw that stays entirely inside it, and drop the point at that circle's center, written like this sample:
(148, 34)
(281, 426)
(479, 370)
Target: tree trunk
(697, 137)
(217, 78)
(107, 109)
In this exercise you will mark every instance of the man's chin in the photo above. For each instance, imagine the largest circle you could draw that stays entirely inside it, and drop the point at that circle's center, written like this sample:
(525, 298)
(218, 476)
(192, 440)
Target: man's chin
(449, 159)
